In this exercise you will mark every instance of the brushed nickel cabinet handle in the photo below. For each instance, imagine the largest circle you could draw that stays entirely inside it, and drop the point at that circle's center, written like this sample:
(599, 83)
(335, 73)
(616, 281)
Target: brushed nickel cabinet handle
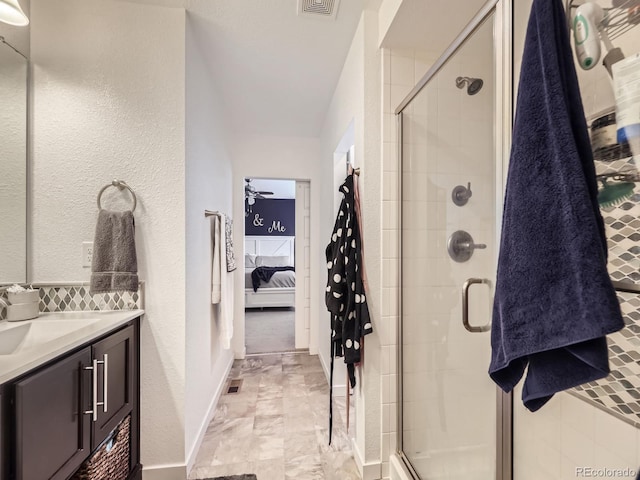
(94, 390)
(105, 382)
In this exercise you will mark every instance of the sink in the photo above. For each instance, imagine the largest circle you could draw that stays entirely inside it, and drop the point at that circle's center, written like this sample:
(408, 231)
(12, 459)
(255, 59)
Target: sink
(38, 332)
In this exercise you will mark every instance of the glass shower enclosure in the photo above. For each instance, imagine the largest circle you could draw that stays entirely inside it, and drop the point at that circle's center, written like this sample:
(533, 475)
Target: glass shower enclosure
(450, 408)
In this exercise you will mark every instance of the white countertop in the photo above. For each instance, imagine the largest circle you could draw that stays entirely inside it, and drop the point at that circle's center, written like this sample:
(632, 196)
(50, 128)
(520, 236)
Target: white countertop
(98, 323)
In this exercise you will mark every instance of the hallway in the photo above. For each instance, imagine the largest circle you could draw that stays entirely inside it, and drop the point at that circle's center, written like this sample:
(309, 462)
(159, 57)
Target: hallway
(276, 426)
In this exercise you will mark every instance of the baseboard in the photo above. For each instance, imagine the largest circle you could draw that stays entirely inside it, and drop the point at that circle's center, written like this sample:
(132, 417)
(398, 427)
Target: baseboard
(368, 471)
(226, 368)
(340, 389)
(165, 472)
(397, 469)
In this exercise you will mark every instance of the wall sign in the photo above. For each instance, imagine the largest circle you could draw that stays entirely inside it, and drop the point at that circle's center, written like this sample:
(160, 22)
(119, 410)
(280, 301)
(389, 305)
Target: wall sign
(271, 217)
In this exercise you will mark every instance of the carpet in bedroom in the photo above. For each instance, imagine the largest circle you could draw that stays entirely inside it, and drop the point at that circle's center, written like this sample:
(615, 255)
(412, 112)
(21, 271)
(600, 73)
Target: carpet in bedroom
(270, 330)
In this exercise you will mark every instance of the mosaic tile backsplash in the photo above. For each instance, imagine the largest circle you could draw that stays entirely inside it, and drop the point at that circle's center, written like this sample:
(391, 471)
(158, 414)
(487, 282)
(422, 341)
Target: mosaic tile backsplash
(68, 298)
(619, 393)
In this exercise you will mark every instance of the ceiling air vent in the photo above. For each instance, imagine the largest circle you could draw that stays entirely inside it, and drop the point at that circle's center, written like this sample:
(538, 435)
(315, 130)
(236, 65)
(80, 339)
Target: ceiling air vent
(318, 8)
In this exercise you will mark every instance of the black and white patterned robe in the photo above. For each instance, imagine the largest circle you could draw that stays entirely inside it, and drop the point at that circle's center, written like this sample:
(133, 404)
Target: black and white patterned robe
(345, 296)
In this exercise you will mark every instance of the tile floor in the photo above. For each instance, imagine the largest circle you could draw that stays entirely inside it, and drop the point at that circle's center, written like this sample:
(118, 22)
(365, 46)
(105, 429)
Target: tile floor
(277, 425)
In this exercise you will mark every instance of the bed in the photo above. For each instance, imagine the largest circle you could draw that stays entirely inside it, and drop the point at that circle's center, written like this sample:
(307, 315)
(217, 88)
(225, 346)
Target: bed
(280, 290)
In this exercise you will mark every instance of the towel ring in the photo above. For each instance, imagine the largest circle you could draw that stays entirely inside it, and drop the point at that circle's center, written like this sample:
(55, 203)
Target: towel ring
(121, 184)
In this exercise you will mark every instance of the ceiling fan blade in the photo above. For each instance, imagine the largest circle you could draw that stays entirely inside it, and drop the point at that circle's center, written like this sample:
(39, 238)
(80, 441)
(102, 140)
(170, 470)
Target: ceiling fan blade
(264, 193)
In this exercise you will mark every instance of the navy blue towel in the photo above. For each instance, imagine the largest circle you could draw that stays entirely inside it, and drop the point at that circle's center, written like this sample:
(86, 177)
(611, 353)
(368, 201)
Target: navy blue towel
(554, 301)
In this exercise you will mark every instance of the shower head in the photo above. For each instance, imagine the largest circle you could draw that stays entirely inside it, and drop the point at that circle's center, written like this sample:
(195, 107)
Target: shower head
(474, 85)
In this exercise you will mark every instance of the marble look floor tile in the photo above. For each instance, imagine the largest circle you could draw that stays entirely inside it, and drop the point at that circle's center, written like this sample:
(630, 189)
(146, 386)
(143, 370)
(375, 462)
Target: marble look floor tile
(241, 408)
(316, 380)
(268, 425)
(308, 467)
(232, 449)
(302, 443)
(273, 406)
(277, 425)
(340, 440)
(270, 379)
(229, 427)
(269, 469)
(266, 448)
(339, 466)
(299, 421)
(297, 404)
(266, 392)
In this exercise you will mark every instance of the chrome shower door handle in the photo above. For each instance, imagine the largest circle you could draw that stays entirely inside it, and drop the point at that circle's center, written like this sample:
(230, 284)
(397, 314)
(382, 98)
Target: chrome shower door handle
(465, 305)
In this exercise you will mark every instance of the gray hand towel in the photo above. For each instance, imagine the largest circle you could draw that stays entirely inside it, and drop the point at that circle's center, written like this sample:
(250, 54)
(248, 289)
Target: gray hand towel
(114, 266)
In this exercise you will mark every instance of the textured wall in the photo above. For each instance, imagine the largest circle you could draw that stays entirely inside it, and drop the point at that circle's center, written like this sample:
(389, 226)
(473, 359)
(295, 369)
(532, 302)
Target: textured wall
(209, 186)
(109, 103)
(357, 99)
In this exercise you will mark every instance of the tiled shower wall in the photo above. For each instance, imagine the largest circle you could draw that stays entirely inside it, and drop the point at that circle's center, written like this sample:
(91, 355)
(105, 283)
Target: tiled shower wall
(401, 70)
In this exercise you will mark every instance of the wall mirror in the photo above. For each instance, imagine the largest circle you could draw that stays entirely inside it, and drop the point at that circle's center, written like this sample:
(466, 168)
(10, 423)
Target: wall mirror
(13, 165)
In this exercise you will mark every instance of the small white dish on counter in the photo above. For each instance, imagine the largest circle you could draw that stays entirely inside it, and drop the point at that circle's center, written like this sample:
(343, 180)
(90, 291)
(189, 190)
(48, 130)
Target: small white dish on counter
(22, 311)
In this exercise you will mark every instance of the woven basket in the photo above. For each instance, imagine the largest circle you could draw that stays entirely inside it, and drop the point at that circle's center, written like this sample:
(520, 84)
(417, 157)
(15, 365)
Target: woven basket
(111, 460)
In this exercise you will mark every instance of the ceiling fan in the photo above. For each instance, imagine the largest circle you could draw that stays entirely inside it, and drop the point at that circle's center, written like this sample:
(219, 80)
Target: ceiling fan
(250, 191)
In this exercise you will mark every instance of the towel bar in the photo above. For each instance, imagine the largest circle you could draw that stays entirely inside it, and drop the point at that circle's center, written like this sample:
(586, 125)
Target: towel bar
(121, 184)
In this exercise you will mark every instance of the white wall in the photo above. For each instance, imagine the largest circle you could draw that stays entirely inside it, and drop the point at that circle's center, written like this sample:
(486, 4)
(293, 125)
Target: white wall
(109, 83)
(296, 158)
(357, 99)
(209, 182)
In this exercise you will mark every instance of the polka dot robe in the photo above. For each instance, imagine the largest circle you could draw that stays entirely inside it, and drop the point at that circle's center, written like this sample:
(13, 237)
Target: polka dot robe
(345, 296)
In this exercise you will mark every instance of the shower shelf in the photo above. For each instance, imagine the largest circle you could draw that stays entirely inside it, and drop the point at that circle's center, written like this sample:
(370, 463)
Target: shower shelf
(619, 19)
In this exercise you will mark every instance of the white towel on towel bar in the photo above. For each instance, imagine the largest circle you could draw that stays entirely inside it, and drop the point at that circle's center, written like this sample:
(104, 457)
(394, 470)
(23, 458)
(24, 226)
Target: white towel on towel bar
(221, 284)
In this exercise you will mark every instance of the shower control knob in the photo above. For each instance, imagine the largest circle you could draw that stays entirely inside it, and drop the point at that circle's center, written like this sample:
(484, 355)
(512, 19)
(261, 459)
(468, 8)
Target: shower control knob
(461, 194)
(461, 246)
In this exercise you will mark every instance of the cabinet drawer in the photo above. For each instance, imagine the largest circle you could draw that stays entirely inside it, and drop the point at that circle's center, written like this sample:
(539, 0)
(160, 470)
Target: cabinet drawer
(52, 433)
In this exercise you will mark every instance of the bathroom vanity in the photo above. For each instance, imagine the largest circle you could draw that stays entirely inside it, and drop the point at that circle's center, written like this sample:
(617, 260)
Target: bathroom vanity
(68, 382)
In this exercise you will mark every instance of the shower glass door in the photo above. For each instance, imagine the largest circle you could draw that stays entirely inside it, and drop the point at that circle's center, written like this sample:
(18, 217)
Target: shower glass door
(449, 246)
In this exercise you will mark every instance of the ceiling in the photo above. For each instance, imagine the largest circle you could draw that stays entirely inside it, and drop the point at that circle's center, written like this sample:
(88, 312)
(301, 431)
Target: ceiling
(275, 71)
(280, 188)
(418, 23)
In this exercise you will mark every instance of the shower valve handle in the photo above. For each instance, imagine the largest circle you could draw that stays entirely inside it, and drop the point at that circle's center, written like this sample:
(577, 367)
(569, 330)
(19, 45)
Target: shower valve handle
(472, 246)
(461, 246)
(461, 194)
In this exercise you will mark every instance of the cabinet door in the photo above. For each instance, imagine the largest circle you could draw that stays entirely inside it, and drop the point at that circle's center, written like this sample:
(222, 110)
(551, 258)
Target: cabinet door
(52, 433)
(117, 351)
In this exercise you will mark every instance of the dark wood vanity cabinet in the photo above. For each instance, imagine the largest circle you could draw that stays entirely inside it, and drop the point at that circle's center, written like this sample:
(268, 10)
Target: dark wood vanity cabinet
(49, 427)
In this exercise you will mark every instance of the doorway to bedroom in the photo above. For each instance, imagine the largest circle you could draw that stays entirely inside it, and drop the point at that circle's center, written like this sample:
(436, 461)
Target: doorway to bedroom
(276, 246)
